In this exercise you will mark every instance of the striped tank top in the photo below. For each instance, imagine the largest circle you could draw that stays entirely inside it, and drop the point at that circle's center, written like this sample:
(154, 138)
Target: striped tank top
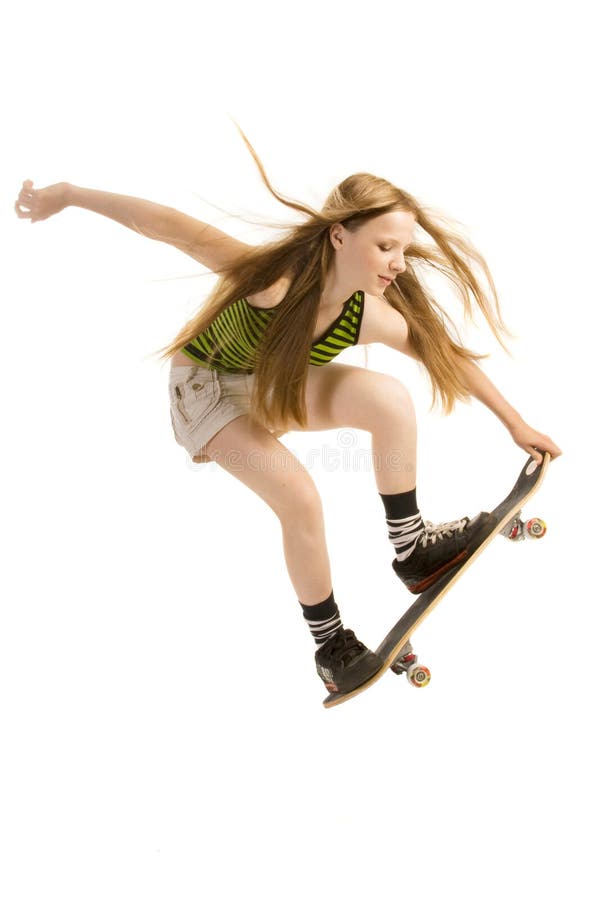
(238, 330)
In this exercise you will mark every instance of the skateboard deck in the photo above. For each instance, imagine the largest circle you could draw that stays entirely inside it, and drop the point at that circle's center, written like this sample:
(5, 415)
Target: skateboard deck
(503, 519)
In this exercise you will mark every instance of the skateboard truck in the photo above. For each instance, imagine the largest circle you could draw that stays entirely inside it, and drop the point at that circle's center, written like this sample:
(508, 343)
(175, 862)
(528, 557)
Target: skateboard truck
(518, 530)
(406, 662)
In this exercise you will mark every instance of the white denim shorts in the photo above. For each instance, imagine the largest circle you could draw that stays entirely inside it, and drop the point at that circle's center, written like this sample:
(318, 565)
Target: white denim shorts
(202, 402)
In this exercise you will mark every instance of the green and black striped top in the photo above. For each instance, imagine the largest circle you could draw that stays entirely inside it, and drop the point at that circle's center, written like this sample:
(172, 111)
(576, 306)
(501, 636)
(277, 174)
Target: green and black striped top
(238, 330)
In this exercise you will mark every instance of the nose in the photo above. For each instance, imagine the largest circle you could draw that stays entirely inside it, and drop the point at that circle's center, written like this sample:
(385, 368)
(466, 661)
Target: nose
(398, 265)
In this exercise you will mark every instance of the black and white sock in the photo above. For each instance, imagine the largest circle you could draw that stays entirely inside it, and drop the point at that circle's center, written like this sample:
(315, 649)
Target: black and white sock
(404, 522)
(323, 619)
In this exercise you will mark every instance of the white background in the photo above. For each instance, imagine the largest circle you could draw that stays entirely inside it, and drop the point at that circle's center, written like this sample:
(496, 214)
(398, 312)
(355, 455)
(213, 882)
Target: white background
(163, 734)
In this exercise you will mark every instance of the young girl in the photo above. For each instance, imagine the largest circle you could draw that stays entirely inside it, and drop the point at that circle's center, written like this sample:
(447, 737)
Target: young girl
(259, 359)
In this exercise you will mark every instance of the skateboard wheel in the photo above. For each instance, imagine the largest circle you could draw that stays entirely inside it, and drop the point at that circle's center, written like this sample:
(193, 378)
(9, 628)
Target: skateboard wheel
(536, 528)
(418, 676)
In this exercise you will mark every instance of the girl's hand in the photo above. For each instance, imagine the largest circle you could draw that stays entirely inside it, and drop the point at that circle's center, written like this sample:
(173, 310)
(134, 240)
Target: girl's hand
(41, 203)
(534, 442)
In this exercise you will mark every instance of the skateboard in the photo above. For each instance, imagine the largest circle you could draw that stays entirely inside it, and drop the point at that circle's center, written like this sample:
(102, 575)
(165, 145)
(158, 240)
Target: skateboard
(395, 650)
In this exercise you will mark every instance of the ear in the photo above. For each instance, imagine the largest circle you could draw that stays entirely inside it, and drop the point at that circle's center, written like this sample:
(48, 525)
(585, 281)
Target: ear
(336, 235)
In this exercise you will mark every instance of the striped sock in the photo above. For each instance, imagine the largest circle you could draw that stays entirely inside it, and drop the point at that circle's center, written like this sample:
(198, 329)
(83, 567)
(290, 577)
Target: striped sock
(323, 619)
(404, 522)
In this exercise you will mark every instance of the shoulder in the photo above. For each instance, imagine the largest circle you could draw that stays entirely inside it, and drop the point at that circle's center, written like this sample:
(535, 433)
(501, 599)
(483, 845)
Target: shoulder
(383, 324)
(271, 296)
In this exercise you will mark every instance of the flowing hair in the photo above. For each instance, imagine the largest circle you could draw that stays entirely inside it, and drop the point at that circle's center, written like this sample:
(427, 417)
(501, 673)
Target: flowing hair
(305, 254)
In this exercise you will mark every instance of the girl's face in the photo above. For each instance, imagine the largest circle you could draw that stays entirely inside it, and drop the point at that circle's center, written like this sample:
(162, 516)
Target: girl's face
(371, 256)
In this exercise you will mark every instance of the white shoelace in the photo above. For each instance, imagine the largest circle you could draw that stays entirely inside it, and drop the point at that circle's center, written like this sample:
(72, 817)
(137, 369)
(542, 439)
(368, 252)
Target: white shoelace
(433, 532)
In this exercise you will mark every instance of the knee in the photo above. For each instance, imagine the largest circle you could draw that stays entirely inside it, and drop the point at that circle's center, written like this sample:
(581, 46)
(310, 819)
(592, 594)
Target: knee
(299, 501)
(392, 399)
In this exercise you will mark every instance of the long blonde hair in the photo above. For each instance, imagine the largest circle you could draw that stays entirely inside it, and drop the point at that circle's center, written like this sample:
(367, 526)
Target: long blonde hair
(305, 253)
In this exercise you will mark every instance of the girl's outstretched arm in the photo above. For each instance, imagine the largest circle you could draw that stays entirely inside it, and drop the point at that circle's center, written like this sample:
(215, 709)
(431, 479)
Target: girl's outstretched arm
(208, 245)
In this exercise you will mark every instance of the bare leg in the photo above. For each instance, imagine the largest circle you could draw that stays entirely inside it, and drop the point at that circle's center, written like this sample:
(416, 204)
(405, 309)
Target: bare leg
(306, 558)
(394, 447)
(267, 467)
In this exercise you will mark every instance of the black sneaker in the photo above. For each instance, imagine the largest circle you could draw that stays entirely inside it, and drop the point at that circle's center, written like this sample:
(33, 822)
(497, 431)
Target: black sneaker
(344, 663)
(440, 548)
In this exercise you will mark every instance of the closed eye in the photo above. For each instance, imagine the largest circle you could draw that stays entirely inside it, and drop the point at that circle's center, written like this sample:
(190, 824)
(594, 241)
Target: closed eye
(387, 249)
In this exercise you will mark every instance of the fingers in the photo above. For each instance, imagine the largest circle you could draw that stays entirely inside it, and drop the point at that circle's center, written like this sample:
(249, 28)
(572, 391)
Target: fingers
(26, 201)
(27, 191)
(22, 213)
(548, 447)
(537, 456)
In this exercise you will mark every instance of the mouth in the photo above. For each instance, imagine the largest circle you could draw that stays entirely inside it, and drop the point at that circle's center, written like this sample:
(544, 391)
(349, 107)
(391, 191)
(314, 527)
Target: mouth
(384, 279)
